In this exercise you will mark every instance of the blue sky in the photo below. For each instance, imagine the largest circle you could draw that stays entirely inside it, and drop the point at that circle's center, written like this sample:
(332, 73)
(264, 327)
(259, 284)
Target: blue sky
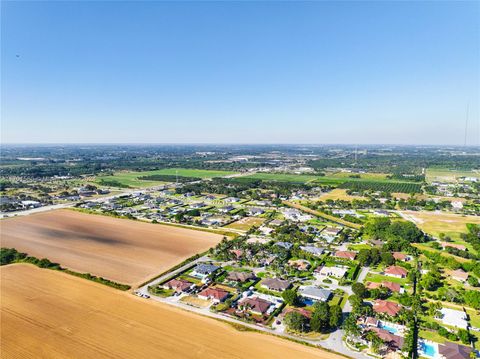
(240, 72)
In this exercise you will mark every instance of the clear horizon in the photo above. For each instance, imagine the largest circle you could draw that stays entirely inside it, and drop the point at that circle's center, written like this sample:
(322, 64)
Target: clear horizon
(303, 73)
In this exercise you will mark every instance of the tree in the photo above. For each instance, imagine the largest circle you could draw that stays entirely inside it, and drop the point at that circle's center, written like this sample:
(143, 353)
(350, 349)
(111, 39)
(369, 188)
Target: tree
(374, 340)
(363, 257)
(296, 321)
(335, 316)
(387, 258)
(321, 317)
(290, 297)
(473, 281)
(360, 290)
(350, 326)
(464, 336)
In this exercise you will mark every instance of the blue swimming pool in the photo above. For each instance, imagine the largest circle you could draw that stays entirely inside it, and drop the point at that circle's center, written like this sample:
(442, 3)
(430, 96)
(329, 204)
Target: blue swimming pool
(389, 328)
(429, 350)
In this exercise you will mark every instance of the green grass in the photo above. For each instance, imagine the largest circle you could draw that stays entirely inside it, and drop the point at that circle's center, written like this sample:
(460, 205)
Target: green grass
(447, 175)
(378, 278)
(130, 179)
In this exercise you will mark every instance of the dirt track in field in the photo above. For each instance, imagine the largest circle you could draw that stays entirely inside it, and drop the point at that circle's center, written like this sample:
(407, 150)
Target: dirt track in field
(49, 314)
(121, 250)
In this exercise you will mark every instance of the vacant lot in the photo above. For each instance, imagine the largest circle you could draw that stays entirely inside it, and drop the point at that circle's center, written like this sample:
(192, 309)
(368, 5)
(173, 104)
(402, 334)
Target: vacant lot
(339, 194)
(246, 223)
(435, 223)
(448, 175)
(61, 316)
(130, 179)
(121, 250)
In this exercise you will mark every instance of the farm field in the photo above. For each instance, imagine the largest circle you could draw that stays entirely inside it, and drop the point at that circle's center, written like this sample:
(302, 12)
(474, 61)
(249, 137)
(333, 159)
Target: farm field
(339, 194)
(246, 223)
(435, 223)
(131, 179)
(447, 175)
(74, 318)
(121, 250)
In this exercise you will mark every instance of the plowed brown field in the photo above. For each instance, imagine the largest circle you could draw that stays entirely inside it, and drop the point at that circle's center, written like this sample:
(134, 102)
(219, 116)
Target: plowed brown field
(49, 314)
(121, 250)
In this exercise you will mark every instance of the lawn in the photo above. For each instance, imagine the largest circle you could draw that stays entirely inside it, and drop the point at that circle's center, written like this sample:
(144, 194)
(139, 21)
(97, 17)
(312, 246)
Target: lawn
(130, 179)
(339, 194)
(195, 301)
(435, 223)
(448, 175)
(378, 278)
(246, 223)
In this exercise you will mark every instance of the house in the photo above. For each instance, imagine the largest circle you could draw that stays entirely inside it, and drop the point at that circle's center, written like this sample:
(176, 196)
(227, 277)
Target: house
(371, 322)
(459, 275)
(226, 209)
(255, 305)
(276, 284)
(275, 223)
(381, 212)
(454, 351)
(306, 313)
(386, 307)
(179, 285)
(217, 295)
(240, 276)
(453, 245)
(376, 242)
(345, 255)
(231, 199)
(295, 215)
(394, 342)
(286, 245)
(454, 318)
(255, 211)
(393, 287)
(399, 256)
(316, 251)
(203, 270)
(237, 252)
(337, 272)
(373, 285)
(299, 264)
(198, 205)
(316, 293)
(330, 233)
(396, 271)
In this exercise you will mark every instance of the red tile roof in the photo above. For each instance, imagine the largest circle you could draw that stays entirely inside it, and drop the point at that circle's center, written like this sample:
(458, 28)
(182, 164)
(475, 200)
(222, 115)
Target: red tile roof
(387, 307)
(394, 287)
(346, 255)
(214, 293)
(399, 256)
(256, 304)
(396, 270)
(178, 284)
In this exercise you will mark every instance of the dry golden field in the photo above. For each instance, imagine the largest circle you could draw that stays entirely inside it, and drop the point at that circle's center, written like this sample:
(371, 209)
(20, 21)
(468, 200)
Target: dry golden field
(49, 314)
(121, 250)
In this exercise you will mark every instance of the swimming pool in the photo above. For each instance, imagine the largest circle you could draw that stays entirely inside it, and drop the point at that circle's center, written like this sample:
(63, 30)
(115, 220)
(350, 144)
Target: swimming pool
(429, 350)
(389, 328)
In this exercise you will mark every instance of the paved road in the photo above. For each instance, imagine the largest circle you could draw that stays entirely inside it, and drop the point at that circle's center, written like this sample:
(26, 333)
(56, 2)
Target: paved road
(363, 273)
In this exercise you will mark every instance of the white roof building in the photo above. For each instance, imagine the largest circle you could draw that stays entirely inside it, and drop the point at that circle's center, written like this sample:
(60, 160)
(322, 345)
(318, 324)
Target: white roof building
(454, 318)
(337, 272)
